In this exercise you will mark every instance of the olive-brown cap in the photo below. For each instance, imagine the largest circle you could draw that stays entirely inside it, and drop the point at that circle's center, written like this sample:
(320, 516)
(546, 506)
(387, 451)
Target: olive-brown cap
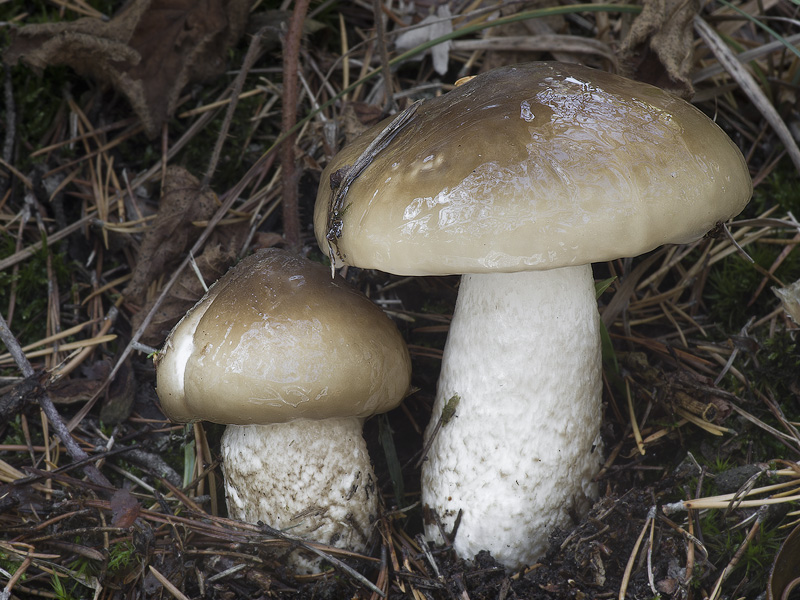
(277, 339)
(534, 166)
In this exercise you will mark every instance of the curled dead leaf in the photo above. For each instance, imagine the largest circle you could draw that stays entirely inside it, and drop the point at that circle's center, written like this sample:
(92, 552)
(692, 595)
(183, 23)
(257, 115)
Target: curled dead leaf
(148, 51)
(187, 290)
(124, 509)
(357, 117)
(120, 396)
(658, 47)
(80, 389)
(172, 233)
(183, 201)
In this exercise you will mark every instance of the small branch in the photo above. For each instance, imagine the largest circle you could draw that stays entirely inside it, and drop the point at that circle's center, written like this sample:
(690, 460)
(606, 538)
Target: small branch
(291, 53)
(320, 551)
(344, 177)
(250, 58)
(75, 452)
(760, 516)
(380, 35)
(10, 118)
(749, 86)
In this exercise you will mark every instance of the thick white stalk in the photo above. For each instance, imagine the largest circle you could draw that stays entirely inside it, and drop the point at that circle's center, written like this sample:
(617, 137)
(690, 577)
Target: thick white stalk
(518, 457)
(310, 479)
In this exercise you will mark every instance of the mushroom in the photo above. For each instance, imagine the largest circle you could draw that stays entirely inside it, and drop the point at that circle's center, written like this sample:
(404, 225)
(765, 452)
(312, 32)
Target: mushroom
(293, 362)
(519, 179)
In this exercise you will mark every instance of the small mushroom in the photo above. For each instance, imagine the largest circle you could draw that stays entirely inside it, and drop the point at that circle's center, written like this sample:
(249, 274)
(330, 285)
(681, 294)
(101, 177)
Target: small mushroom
(293, 362)
(519, 179)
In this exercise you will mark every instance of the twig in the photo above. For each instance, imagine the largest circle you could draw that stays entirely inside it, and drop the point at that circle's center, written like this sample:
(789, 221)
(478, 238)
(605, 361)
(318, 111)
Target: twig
(761, 515)
(168, 585)
(428, 555)
(623, 588)
(291, 53)
(343, 178)
(380, 35)
(236, 91)
(749, 86)
(310, 547)
(10, 120)
(650, 570)
(49, 409)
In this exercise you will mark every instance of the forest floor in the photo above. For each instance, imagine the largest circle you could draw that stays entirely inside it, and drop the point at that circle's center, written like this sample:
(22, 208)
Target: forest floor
(137, 137)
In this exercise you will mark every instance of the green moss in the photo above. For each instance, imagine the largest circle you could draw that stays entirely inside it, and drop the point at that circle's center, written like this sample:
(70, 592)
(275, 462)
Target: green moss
(235, 156)
(781, 189)
(779, 368)
(15, 436)
(31, 281)
(723, 541)
(38, 101)
(10, 563)
(723, 534)
(122, 556)
(731, 285)
(733, 282)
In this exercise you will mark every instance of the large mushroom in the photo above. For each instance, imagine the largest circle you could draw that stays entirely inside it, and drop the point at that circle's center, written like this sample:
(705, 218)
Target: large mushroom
(293, 362)
(519, 179)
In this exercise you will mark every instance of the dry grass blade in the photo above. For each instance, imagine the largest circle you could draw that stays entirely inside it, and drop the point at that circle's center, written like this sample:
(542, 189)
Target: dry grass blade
(736, 499)
(623, 589)
(176, 593)
(746, 56)
(27, 252)
(726, 572)
(53, 417)
(541, 43)
(749, 86)
(103, 339)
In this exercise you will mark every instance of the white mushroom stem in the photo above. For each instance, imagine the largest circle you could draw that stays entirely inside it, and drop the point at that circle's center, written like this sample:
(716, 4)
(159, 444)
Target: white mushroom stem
(518, 457)
(310, 479)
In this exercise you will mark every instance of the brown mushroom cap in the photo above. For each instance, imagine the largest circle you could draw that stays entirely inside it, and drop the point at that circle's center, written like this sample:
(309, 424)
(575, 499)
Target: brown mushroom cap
(277, 339)
(534, 166)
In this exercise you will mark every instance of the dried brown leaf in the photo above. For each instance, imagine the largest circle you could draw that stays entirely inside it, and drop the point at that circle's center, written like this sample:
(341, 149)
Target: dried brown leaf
(80, 389)
(357, 117)
(182, 201)
(527, 28)
(658, 47)
(218, 255)
(149, 51)
(70, 391)
(125, 508)
(119, 399)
